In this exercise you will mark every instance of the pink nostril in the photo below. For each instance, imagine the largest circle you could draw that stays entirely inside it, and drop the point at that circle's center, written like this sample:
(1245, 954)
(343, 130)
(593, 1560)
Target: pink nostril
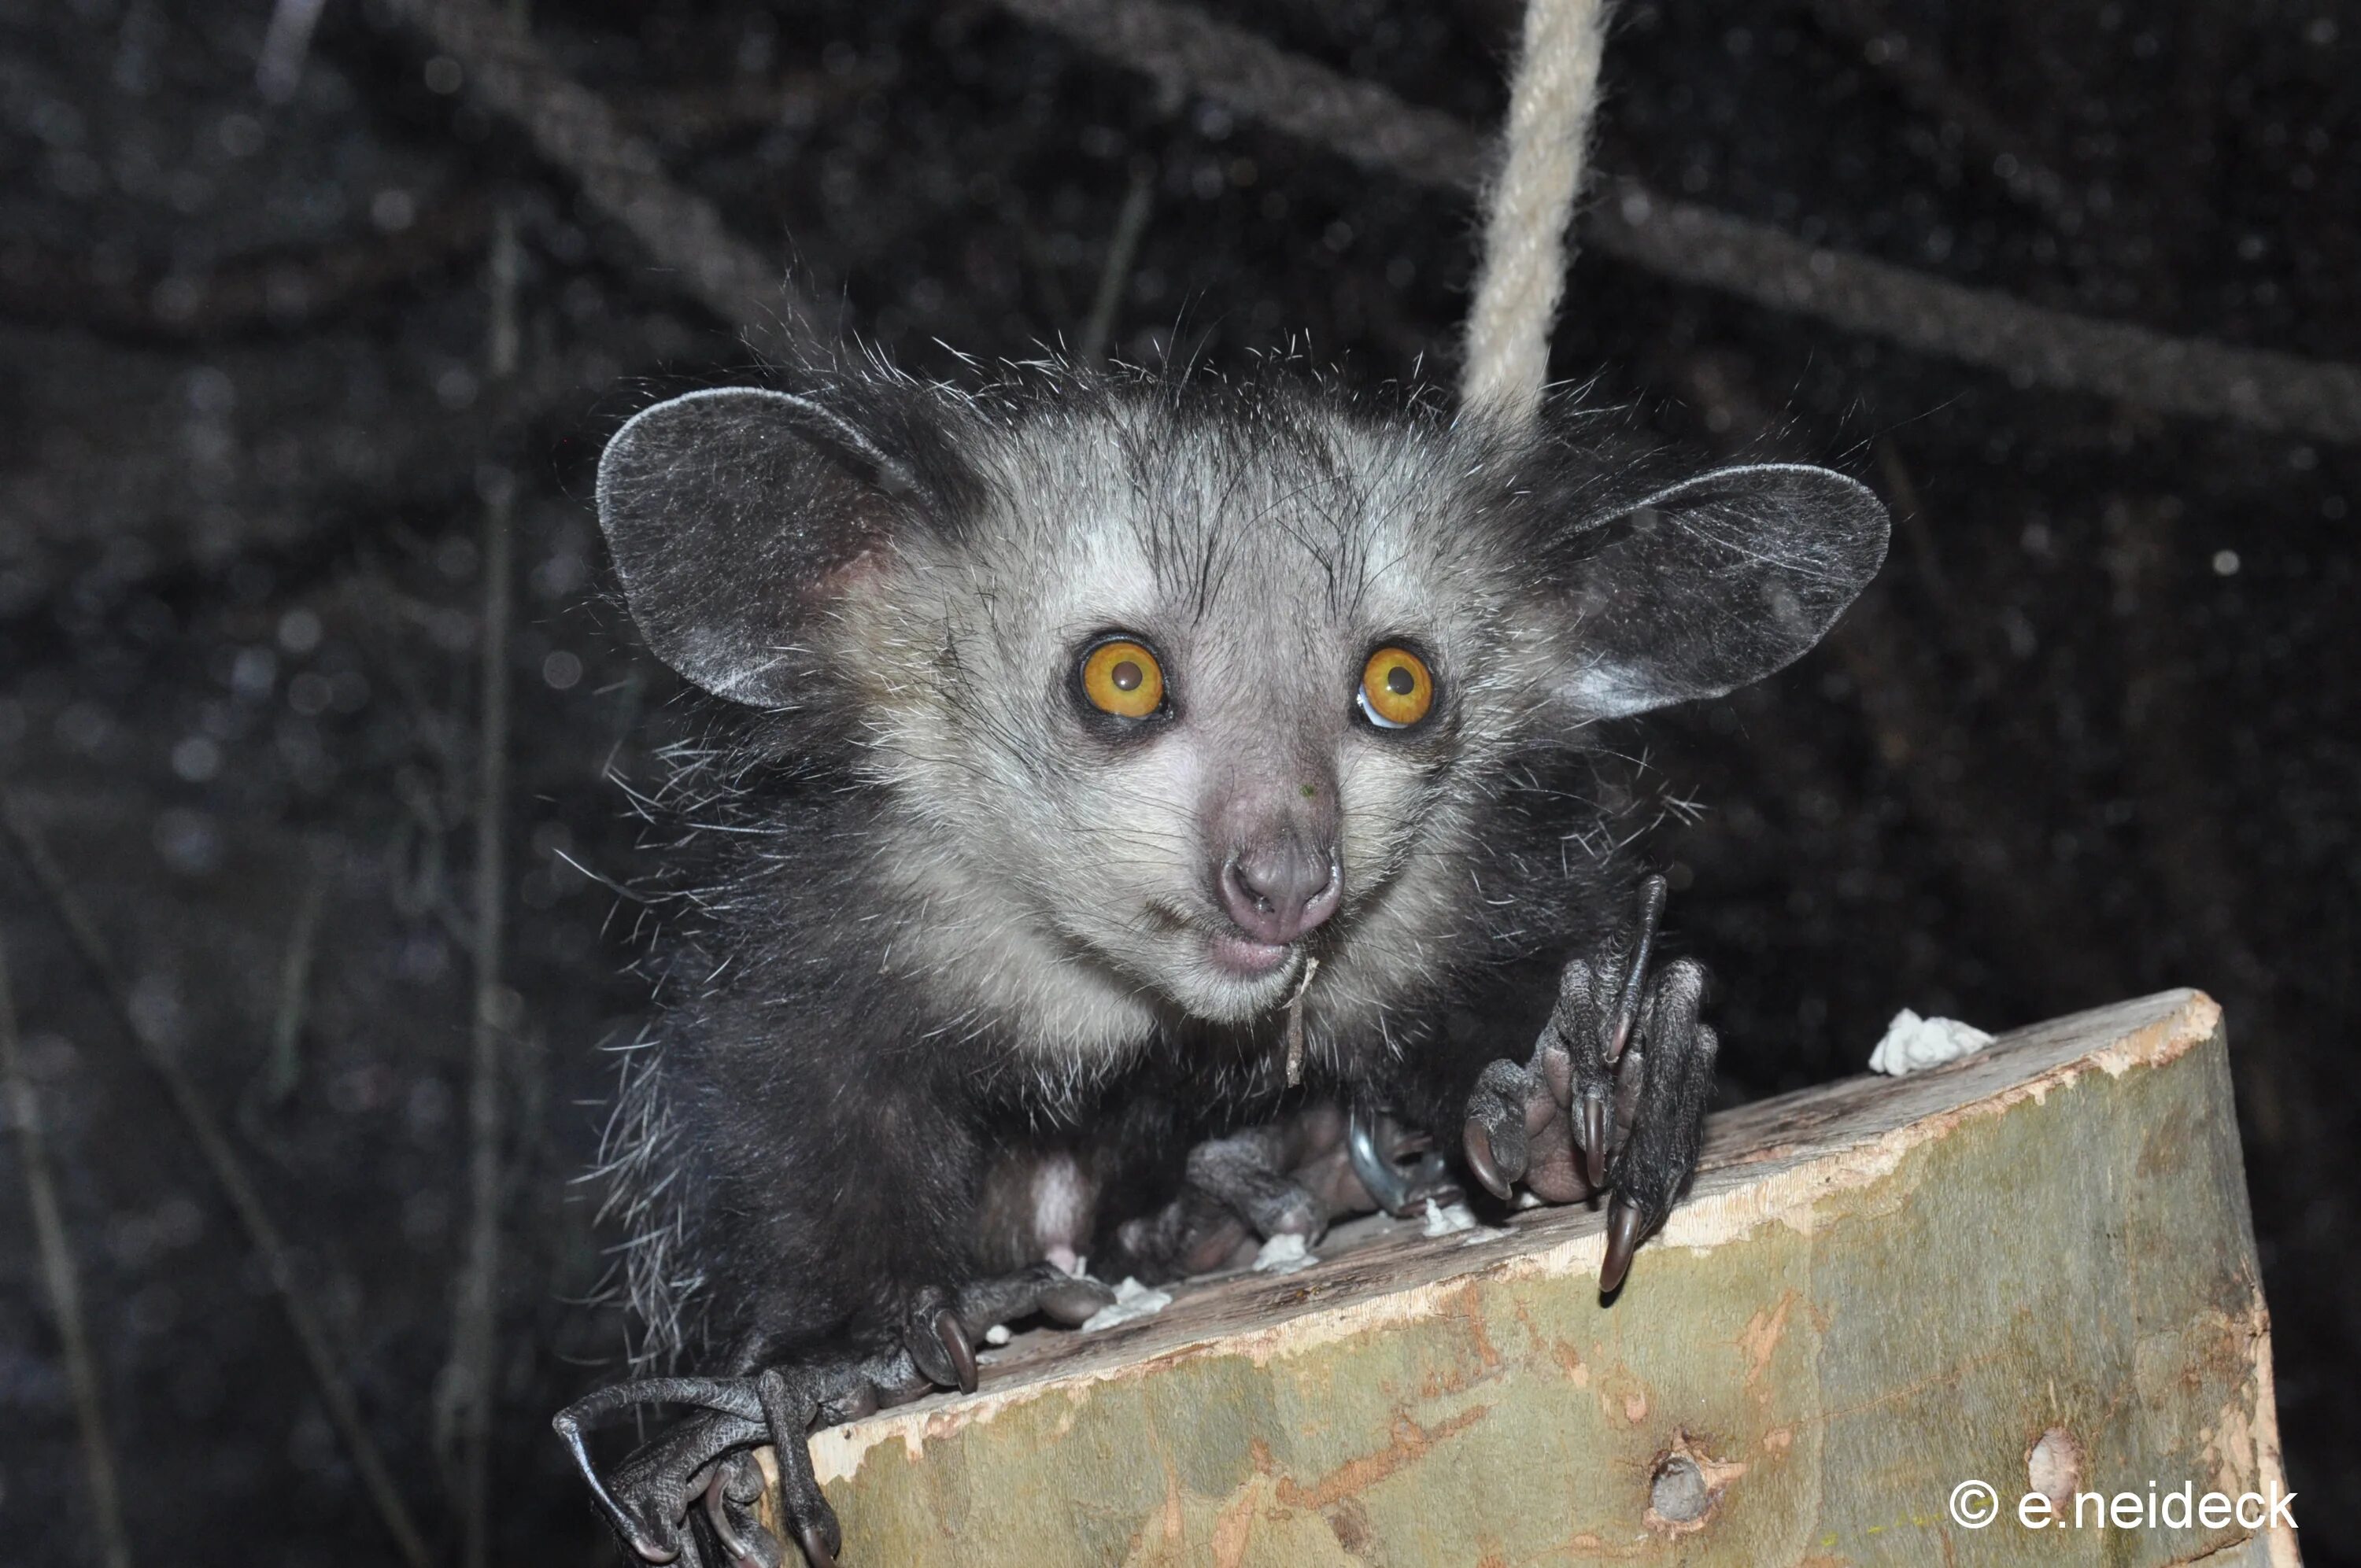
(1276, 892)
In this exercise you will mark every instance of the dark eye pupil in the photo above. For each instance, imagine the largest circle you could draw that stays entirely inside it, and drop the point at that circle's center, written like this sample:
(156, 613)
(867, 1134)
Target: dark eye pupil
(1400, 681)
(1126, 677)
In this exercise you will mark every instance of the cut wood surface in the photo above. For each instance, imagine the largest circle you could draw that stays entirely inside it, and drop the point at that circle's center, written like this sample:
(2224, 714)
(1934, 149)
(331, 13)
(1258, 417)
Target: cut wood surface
(2037, 1261)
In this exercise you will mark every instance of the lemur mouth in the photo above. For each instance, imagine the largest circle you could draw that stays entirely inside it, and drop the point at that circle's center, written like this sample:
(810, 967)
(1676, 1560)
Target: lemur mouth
(1248, 960)
(1229, 950)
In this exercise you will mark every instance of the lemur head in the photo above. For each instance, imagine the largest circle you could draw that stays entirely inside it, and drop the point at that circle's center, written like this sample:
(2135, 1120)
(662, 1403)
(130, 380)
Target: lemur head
(1167, 692)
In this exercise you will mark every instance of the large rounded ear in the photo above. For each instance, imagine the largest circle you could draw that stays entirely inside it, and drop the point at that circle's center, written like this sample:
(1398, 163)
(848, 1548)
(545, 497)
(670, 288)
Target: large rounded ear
(1711, 583)
(735, 516)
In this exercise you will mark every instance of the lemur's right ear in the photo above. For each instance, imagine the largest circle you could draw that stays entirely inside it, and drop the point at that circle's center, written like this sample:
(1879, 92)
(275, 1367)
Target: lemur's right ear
(736, 517)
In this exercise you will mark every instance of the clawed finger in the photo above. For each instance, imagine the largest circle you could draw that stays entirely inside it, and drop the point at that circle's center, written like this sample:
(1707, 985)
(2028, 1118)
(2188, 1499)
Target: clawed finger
(1495, 1138)
(787, 1408)
(938, 1342)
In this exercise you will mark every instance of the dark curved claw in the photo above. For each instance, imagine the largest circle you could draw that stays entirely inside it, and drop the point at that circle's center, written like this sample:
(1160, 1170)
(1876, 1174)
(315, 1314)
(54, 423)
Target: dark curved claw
(744, 1542)
(928, 1342)
(951, 1335)
(1394, 1188)
(1626, 1227)
(814, 1543)
(1596, 1121)
(788, 1407)
(1481, 1164)
(1386, 1183)
(1508, 1104)
(1666, 1126)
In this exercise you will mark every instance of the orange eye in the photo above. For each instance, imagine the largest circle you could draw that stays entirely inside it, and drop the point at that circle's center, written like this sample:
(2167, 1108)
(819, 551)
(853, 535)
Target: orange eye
(1123, 678)
(1396, 688)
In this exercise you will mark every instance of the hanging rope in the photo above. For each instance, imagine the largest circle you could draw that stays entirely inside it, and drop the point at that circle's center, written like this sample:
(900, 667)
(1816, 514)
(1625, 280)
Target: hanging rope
(1528, 207)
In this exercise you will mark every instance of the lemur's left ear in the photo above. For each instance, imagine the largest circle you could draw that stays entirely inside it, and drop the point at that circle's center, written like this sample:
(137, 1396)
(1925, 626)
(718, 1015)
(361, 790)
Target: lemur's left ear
(1710, 584)
(741, 517)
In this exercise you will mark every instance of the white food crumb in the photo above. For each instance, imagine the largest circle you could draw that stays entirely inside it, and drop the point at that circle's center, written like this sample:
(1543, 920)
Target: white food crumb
(1132, 1299)
(1526, 1201)
(1913, 1043)
(1447, 1221)
(997, 1334)
(1283, 1254)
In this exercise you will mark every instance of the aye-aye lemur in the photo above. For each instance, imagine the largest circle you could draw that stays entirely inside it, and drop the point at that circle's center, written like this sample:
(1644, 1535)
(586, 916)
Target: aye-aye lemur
(1123, 781)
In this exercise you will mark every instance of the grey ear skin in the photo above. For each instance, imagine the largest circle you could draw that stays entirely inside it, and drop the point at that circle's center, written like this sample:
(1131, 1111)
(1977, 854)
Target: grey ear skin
(735, 516)
(1713, 583)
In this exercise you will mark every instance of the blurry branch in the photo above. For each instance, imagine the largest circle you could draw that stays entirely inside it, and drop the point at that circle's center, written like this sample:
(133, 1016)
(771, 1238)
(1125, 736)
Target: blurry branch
(1910, 523)
(229, 1171)
(1923, 85)
(286, 1064)
(1122, 249)
(1188, 54)
(688, 112)
(469, 1379)
(1191, 54)
(279, 68)
(279, 292)
(64, 1288)
(618, 172)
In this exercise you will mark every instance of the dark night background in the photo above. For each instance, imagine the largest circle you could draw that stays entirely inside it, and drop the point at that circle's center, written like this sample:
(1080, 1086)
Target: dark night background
(2087, 737)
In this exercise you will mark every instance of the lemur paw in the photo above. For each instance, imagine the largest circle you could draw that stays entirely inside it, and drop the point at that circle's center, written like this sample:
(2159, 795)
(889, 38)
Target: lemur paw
(688, 1497)
(1290, 1177)
(1614, 1098)
(1240, 1191)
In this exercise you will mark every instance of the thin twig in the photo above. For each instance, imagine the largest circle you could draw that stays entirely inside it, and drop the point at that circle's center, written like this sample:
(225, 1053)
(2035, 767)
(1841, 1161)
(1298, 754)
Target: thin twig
(476, 1322)
(1189, 52)
(271, 291)
(286, 1064)
(1926, 87)
(619, 172)
(1910, 522)
(1122, 249)
(64, 1288)
(279, 68)
(229, 1172)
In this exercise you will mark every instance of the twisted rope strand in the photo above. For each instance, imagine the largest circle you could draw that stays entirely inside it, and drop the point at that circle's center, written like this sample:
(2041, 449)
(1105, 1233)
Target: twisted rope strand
(1552, 98)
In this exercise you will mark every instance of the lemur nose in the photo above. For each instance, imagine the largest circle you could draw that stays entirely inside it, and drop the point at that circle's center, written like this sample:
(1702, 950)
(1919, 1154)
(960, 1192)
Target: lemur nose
(1277, 891)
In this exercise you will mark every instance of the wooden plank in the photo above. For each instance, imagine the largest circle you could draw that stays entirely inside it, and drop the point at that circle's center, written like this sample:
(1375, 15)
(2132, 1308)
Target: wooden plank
(1878, 1290)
